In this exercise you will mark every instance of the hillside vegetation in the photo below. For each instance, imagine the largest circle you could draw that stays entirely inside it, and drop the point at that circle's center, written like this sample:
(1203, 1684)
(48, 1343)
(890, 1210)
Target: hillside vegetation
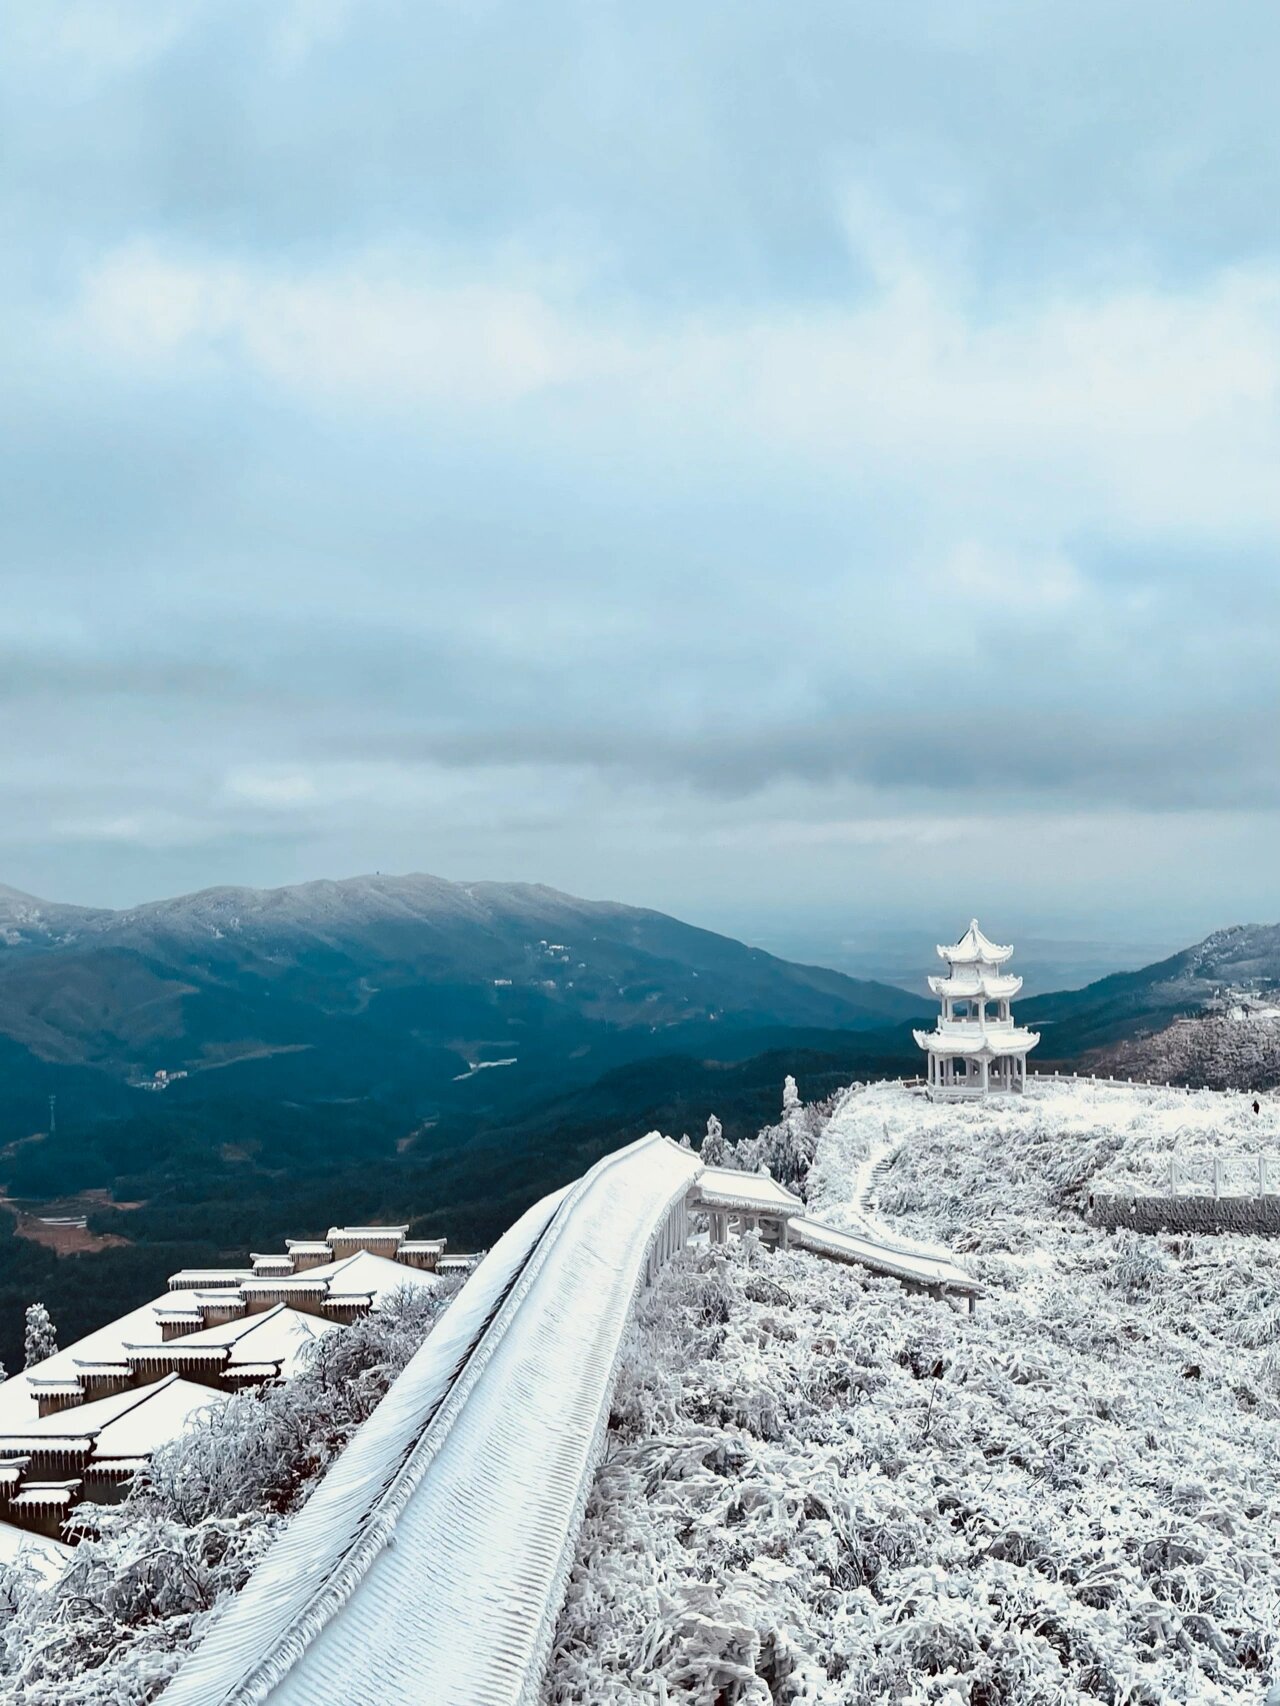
(820, 1488)
(1211, 1052)
(387, 1048)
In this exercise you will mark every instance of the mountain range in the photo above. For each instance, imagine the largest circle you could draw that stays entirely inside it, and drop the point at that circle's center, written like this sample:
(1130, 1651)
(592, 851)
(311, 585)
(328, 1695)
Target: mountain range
(236, 1066)
(408, 976)
(1132, 1004)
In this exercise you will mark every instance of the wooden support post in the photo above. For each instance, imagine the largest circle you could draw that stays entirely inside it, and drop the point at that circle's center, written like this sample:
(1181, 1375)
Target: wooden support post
(1217, 1175)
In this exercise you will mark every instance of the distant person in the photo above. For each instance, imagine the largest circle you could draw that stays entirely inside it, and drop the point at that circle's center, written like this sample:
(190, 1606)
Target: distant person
(1257, 1107)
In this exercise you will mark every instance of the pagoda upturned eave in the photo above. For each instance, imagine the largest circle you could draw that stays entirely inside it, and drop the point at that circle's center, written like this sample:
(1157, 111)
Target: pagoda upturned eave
(973, 1042)
(972, 983)
(973, 948)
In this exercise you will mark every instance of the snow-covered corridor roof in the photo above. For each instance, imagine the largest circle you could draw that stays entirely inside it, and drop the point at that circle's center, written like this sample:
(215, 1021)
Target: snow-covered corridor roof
(430, 1564)
(506, 1406)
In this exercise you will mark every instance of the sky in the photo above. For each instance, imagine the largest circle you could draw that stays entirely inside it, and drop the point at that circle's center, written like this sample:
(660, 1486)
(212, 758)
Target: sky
(811, 467)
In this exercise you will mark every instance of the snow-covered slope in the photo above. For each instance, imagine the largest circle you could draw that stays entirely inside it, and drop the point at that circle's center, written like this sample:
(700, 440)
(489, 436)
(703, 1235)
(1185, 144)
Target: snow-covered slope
(823, 1489)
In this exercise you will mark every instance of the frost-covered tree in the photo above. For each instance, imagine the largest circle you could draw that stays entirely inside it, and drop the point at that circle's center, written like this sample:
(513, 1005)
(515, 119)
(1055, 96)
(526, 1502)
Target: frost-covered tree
(714, 1147)
(786, 1150)
(1214, 1052)
(792, 1107)
(847, 1493)
(41, 1339)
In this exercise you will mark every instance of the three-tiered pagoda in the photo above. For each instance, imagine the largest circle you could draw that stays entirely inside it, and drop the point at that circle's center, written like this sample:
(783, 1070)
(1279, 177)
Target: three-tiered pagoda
(976, 1048)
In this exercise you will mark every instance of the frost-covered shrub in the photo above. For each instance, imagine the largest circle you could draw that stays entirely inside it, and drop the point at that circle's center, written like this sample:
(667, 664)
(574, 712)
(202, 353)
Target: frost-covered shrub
(1210, 1052)
(785, 1150)
(115, 1627)
(821, 1488)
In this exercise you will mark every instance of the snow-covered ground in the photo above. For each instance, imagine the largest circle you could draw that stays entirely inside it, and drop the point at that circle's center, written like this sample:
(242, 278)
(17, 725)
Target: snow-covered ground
(822, 1488)
(1119, 1136)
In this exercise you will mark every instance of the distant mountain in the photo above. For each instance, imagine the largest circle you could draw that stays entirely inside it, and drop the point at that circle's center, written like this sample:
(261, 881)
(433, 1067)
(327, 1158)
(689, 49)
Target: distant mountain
(387, 1047)
(239, 974)
(1137, 1003)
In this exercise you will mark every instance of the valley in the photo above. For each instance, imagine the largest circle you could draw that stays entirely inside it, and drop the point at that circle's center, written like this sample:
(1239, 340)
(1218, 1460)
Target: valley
(408, 1048)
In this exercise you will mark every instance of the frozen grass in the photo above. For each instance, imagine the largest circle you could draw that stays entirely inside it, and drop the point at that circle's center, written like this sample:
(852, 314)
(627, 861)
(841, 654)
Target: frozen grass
(821, 1488)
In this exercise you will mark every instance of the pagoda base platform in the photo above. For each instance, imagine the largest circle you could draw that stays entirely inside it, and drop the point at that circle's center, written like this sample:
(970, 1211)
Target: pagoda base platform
(967, 1093)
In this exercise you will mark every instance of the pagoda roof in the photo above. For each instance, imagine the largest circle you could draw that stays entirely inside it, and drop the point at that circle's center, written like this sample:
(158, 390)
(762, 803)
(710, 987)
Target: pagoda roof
(973, 1042)
(976, 982)
(973, 948)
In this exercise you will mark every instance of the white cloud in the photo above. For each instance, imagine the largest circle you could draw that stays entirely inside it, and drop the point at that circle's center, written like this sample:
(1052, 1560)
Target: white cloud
(384, 334)
(104, 37)
(275, 789)
(1002, 582)
(1155, 409)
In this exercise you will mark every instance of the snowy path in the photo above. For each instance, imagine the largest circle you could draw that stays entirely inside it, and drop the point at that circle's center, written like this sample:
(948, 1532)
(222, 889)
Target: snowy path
(858, 1214)
(430, 1564)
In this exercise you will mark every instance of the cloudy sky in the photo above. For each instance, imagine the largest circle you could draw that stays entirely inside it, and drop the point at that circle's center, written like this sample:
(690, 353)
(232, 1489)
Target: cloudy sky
(755, 460)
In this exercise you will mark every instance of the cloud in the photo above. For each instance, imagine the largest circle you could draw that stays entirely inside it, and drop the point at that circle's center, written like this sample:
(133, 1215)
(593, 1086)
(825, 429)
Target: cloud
(592, 445)
(270, 789)
(1155, 410)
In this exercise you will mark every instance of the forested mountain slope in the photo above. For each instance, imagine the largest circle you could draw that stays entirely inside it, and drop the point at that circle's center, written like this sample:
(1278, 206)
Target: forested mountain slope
(384, 1048)
(1128, 1004)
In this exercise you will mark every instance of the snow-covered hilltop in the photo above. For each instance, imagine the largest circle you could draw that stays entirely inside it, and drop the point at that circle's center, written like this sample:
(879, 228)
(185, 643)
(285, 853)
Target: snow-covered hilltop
(806, 1474)
(823, 1488)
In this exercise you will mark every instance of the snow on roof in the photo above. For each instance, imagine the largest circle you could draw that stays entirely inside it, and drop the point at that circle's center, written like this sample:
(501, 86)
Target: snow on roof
(307, 1246)
(38, 1495)
(168, 1409)
(200, 1279)
(392, 1234)
(973, 948)
(973, 982)
(482, 1491)
(881, 1258)
(59, 1443)
(975, 1041)
(725, 1187)
(124, 1424)
(275, 1335)
(368, 1274)
(105, 1345)
(48, 1558)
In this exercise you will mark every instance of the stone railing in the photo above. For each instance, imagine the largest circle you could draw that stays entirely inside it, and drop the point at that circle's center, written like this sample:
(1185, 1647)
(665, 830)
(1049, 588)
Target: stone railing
(1186, 1213)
